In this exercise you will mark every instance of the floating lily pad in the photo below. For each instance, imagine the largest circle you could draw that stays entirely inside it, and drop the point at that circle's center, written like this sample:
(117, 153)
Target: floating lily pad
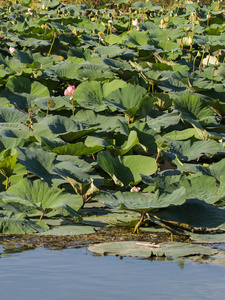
(144, 249)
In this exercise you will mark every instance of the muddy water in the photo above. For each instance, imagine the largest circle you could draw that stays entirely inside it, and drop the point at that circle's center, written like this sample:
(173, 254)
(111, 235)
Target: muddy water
(77, 274)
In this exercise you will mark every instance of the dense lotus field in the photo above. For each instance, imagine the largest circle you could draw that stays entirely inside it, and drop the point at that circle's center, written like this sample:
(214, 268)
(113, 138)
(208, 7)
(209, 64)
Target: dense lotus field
(118, 110)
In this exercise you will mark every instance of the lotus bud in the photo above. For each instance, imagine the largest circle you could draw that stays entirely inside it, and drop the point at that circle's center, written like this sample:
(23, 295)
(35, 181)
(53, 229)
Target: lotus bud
(209, 16)
(110, 22)
(70, 90)
(135, 23)
(11, 49)
(135, 189)
(29, 12)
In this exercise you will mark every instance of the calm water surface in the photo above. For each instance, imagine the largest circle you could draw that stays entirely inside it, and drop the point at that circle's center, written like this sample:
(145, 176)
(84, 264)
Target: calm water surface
(77, 274)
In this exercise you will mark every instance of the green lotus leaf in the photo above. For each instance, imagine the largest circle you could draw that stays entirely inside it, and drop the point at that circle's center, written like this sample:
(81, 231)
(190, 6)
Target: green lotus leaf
(12, 115)
(165, 180)
(193, 106)
(187, 150)
(74, 160)
(126, 169)
(163, 101)
(12, 142)
(164, 121)
(196, 213)
(181, 135)
(146, 135)
(113, 39)
(60, 103)
(24, 85)
(33, 43)
(94, 72)
(200, 187)
(22, 101)
(193, 82)
(131, 141)
(25, 57)
(217, 169)
(136, 38)
(8, 161)
(109, 51)
(69, 38)
(16, 224)
(80, 55)
(65, 70)
(131, 100)
(145, 249)
(142, 202)
(172, 85)
(121, 67)
(77, 149)
(72, 230)
(103, 123)
(40, 197)
(148, 5)
(79, 179)
(89, 95)
(37, 161)
(65, 128)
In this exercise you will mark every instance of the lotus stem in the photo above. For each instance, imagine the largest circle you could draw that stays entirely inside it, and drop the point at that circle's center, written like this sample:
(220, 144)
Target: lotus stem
(7, 183)
(53, 40)
(47, 111)
(171, 237)
(136, 229)
(200, 66)
(73, 107)
(194, 62)
(159, 150)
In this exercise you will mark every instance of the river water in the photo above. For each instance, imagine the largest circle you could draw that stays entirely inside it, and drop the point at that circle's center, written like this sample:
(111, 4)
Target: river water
(78, 274)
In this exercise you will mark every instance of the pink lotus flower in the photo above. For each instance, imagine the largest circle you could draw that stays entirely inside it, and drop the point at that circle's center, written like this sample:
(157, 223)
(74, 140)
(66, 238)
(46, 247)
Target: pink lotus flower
(11, 49)
(135, 189)
(29, 12)
(209, 16)
(135, 23)
(70, 90)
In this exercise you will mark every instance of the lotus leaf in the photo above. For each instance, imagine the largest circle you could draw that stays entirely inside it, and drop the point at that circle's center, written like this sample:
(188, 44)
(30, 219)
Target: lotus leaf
(126, 169)
(16, 224)
(142, 202)
(37, 161)
(39, 197)
(143, 249)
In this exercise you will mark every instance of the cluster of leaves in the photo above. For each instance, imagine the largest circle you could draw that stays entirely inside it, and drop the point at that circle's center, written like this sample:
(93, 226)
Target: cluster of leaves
(148, 110)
